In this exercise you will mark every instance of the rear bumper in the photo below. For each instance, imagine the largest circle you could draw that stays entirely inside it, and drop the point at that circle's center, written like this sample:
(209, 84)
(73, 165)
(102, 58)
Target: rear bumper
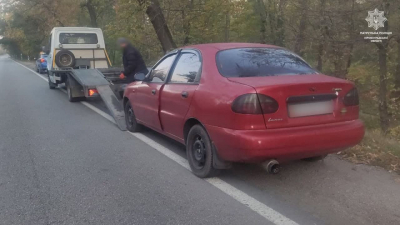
(286, 143)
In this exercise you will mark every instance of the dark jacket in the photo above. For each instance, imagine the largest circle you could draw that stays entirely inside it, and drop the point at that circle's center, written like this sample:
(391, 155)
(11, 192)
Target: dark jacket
(133, 62)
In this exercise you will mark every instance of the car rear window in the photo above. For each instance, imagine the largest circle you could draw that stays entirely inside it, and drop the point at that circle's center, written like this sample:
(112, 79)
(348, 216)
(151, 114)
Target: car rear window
(78, 38)
(260, 62)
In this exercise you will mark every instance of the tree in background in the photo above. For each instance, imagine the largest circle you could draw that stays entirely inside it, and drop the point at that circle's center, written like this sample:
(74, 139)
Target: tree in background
(156, 16)
(325, 33)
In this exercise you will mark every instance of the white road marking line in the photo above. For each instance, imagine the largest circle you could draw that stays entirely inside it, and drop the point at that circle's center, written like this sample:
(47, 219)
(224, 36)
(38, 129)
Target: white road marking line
(252, 203)
(255, 205)
(164, 150)
(36, 73)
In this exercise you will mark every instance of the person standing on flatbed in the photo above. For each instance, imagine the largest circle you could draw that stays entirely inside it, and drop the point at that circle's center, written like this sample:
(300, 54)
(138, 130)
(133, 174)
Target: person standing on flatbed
(132, 60)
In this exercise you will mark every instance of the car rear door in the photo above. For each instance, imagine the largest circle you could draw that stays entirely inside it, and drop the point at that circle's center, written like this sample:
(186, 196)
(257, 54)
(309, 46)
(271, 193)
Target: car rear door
(146, 104)
(178, 92)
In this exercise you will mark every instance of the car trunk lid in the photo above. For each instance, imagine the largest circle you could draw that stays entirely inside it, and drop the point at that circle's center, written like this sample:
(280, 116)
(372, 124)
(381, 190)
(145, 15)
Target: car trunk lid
(303, 99)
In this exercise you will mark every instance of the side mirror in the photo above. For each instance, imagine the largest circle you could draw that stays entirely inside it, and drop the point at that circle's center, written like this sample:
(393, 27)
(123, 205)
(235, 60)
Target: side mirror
(140, 76)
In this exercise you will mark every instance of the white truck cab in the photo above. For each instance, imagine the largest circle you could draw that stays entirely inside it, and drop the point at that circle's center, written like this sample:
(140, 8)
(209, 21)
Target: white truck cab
(75, 48)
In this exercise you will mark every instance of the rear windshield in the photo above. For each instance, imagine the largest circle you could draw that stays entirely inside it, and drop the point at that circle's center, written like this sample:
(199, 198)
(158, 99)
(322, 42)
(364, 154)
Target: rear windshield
(261, 62)
(78, 38)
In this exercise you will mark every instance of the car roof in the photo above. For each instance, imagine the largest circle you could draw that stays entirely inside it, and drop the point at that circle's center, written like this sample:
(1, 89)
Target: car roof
(75, 29)
(224, 46)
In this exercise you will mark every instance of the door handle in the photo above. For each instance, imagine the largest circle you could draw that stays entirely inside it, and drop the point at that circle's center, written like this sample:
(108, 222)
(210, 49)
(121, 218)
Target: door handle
(153, 92)
(185, 94)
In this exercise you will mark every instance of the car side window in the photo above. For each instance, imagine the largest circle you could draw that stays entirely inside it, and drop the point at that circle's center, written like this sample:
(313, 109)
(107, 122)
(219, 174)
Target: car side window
(187, 69)
(160, 73)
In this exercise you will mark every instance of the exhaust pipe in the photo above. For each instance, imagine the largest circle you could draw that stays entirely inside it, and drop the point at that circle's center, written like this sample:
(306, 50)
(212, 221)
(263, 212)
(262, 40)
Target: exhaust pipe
(272, 166)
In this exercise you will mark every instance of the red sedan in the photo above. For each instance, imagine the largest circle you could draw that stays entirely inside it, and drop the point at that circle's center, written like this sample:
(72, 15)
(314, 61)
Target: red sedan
(244, 103)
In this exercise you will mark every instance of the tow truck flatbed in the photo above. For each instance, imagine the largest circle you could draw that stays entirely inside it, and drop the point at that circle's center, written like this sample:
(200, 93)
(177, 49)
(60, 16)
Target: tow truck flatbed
(90, 83)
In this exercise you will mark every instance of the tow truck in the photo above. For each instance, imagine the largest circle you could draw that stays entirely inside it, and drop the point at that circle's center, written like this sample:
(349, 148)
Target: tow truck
(77, 57)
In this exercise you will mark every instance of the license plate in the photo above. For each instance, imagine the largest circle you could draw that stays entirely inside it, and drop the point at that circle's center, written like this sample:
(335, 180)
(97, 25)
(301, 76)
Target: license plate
(310, 109)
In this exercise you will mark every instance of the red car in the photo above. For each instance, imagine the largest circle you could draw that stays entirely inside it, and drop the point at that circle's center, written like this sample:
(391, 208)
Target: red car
(244, 103)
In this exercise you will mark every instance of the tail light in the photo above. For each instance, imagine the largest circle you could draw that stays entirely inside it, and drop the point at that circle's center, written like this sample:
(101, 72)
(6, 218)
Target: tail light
(351, 98)
(93, 92)
(42, 60)
(254, 104)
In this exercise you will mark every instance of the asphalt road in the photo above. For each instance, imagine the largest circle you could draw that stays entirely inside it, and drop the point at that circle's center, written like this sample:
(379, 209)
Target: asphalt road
(63, 163)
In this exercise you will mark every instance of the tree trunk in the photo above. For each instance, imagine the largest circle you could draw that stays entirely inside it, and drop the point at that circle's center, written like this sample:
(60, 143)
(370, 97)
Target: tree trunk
(349, 60)
(187, 23)
(382, 52)
(227, 26)
(300, 41)
(397, 74)
(272, 24)
(383, 108)
(157, 18)
(260, 8)
(352, 37)
(92, 12)
(280, 24)
(321, 44)
(320, 56)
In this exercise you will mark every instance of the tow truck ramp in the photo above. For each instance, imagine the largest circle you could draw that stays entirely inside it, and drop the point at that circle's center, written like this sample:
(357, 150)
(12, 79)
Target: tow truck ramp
(113, 104)
(81, 81)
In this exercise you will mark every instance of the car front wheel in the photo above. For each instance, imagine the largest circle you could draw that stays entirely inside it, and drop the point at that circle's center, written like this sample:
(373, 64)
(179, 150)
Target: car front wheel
(199, 152)
(131, 123)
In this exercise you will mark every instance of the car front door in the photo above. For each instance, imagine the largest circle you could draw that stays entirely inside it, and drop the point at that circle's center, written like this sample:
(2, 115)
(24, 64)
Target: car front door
(178, 92)
(146, 104)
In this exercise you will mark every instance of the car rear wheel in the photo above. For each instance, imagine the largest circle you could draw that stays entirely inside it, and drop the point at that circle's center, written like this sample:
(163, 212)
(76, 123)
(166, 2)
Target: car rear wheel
(199, 152)
(131, 123)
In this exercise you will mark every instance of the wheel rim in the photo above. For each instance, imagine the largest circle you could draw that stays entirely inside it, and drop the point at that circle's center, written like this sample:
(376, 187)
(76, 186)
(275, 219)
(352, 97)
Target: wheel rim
(199, 153)
(130, 116)
(65, 59)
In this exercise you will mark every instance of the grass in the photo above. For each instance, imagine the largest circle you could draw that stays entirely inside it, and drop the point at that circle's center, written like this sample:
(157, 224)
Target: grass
(377, 150)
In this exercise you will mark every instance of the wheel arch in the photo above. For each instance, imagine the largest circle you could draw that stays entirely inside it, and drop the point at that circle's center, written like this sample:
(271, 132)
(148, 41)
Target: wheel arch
(218, 162)
(125, 100)
(189, 124)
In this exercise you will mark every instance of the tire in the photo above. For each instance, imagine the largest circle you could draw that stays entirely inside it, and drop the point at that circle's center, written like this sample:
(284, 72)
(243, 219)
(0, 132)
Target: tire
(199, 152)
(131, 123)
(69, 93)
(51, 84)
(65, 59)
(315, 159)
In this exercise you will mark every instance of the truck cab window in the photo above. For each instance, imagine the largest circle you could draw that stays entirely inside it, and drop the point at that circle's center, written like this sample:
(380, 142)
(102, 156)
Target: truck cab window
(78, 38)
